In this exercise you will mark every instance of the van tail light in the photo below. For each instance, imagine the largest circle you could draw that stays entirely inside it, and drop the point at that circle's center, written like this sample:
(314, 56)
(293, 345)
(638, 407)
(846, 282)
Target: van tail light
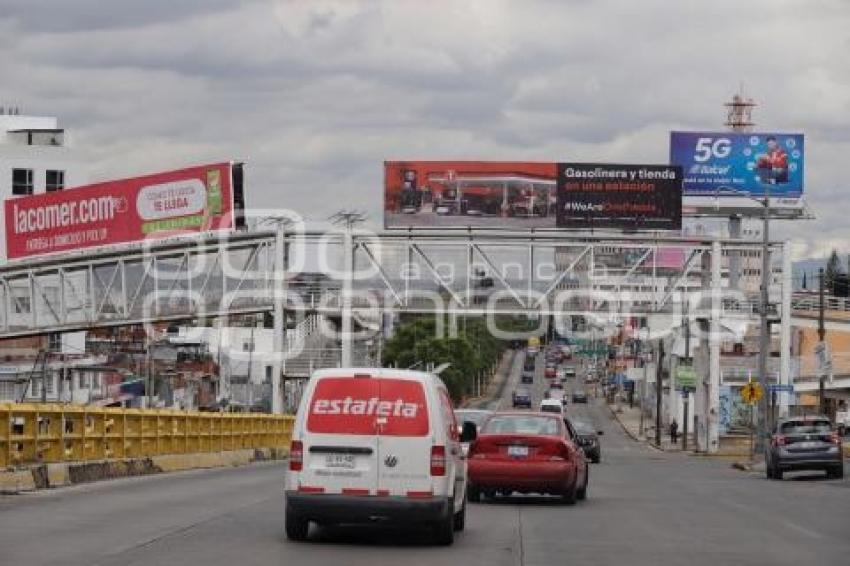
(780, 439)
(438, 460)
(296, 456)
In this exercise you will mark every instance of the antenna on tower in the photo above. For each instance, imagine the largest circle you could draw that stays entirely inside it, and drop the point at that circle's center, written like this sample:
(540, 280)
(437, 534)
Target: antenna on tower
(348, 218)
(739, 112)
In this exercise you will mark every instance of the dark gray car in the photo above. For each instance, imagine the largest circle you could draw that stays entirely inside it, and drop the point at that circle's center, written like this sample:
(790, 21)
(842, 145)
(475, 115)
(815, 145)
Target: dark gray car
(588, 439)
(804, 443)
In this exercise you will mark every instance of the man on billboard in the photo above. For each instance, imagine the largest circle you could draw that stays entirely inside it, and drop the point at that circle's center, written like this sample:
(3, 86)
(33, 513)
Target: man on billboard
(773, 164)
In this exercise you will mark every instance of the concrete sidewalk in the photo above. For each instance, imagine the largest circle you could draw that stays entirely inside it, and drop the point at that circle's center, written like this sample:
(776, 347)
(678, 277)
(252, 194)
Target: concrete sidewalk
(629, 419)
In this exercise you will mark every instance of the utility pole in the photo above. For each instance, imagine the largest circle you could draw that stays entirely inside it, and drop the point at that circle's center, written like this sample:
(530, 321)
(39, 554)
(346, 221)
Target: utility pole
(764, 330)
(280, 265)
(148, 372)
(642, 397)
(821, 338)
(348, 219)
(251, 363)
(658, 378)
(686, 393)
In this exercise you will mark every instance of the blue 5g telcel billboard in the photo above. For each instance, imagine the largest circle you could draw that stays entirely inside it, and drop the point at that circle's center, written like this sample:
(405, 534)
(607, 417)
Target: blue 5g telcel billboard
(727, 162)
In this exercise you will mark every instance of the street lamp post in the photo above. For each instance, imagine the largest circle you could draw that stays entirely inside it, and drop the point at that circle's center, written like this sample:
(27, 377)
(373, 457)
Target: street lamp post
(658, 380)
(764, 334)
(821, 338)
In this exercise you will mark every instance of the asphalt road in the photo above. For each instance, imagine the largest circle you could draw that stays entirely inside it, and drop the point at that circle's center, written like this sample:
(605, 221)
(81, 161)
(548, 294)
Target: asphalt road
(643, 507)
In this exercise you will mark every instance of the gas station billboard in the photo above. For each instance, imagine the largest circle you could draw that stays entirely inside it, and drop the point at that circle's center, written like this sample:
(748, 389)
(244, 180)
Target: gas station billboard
(462, 194)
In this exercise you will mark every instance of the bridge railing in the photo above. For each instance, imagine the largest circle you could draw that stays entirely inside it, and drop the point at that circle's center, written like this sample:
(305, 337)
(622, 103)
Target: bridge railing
(49, 433)
(807, 302)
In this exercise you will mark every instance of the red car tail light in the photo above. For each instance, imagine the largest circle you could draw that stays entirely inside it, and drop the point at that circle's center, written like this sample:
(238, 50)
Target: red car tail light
(438, 460)
(296, 456)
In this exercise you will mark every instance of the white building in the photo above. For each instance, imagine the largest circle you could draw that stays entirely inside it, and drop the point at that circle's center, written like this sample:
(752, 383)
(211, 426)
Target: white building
(35, 158)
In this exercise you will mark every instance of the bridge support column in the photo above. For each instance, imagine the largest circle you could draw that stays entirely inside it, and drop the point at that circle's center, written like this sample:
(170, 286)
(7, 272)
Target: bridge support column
(735, 222)
(785, 330)
(714, 341)
(279, 292)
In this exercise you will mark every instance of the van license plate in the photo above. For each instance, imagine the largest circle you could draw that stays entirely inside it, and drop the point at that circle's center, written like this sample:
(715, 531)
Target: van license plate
(518, 451)
(340, 461)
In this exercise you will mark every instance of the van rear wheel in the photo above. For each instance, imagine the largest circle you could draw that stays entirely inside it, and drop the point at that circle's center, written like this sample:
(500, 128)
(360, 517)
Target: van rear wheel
(296, 526)
(460, 518)
(444, 529)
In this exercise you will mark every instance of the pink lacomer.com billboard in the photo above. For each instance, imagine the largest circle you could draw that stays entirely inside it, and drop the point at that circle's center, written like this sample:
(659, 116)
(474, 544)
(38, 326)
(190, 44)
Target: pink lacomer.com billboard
(172, 203)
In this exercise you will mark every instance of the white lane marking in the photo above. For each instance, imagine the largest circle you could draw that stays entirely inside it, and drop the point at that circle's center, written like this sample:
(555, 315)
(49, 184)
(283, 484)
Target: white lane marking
(800, 529)
(790, 524)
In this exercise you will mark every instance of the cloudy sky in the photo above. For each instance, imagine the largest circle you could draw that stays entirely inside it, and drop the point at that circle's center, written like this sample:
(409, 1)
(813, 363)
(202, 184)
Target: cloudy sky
(315, 95)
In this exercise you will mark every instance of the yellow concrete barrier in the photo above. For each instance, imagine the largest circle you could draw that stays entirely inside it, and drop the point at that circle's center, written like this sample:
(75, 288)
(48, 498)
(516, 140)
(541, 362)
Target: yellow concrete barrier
(16, 481)
(50, 433)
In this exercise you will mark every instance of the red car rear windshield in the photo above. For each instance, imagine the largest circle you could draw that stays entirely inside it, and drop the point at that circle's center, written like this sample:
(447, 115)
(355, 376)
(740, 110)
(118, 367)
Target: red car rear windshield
(522, 424)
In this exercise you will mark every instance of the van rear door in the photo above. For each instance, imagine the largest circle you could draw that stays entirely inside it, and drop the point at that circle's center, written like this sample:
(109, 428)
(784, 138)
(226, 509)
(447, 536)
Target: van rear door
(341, 441)
(404, 428)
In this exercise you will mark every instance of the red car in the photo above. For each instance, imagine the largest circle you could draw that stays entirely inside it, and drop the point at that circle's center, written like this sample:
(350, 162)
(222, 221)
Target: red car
(550, 371)
(527, 453)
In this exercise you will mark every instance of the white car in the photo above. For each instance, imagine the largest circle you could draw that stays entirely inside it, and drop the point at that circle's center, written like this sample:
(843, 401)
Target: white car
(372, 445)
(552, 406)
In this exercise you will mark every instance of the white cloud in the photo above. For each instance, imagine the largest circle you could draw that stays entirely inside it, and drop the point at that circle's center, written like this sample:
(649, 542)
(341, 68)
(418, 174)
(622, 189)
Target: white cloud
(315, 95)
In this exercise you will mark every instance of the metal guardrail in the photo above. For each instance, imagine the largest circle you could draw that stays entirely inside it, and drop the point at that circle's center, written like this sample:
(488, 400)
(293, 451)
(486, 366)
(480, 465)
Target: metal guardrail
(49, 433)
(812, 303)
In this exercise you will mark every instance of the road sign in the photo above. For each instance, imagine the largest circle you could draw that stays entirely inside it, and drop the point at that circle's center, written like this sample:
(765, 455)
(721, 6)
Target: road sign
(751, 393)
(686, 377)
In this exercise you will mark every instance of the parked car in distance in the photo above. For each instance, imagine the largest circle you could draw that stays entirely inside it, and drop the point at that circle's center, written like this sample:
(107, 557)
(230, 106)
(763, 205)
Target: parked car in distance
(549, 372)
(804, 443)
(527, 376)
(527, 453)
(556, 384)
(579, 396)
(570, 372)
(552, 405)
(521, 398)
(339, 475)
(588, 438)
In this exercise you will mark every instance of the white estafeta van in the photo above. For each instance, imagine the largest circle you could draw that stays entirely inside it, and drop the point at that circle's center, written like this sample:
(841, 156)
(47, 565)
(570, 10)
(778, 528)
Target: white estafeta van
(377, 446)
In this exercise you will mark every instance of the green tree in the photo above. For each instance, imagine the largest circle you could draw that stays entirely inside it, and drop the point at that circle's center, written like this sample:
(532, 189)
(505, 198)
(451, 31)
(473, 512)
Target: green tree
(473, 351)
(832, 271)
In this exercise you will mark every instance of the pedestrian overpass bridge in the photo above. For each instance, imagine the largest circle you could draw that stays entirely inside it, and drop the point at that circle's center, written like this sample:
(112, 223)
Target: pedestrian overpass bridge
(463, 273)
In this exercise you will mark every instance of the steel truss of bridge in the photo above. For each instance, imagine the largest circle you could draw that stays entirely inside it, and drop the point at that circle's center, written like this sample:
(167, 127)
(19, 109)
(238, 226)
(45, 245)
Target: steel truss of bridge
(602, 276)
